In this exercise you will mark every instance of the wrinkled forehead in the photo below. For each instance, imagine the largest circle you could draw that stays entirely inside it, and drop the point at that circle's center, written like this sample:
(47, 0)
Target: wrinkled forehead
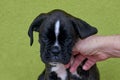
(56, 27)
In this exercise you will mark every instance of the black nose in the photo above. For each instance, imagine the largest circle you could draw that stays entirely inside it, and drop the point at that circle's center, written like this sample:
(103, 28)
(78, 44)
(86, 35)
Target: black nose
(55, 50)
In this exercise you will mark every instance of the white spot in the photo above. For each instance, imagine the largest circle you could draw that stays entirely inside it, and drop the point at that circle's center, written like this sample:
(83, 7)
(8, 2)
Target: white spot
(57, 28)
(56, 43)
(60, 70)
(76, 74)
(57, 31)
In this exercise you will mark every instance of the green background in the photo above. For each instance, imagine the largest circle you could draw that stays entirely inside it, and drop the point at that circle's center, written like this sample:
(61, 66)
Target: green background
(19, 61)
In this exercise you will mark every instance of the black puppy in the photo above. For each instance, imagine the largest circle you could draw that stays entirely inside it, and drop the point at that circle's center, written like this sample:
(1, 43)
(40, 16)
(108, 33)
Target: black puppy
(58, 32)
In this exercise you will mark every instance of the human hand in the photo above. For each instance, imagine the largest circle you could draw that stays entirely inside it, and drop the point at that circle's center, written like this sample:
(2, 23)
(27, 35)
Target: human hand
(91, 48)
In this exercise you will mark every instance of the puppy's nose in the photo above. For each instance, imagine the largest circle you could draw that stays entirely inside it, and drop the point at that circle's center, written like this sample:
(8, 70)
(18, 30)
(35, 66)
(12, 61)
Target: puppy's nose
(55, 50)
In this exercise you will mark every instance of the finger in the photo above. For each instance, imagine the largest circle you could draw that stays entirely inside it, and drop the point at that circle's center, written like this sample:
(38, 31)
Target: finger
(69, 64)
(77, 61)
(88, 64)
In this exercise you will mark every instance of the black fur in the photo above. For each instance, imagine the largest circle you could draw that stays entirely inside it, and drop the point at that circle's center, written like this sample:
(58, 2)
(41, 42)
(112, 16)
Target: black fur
(71, 28)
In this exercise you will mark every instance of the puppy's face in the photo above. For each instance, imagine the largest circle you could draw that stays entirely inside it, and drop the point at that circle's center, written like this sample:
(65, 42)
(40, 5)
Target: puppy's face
(56, 39)
(58, 32)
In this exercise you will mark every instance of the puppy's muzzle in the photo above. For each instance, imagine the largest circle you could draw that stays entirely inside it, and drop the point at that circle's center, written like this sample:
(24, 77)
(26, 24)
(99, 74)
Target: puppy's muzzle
(55, 50)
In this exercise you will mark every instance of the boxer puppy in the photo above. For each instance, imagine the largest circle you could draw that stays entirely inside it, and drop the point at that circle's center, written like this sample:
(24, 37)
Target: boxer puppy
(58, 32)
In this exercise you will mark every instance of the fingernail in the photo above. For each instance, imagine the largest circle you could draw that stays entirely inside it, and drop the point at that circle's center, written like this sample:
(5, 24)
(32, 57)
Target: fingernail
(71, 70)
(85, 68)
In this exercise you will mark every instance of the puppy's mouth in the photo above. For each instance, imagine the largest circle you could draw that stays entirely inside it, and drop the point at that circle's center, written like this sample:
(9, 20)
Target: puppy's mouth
(48, 57)
(55, 60)
(54, 63)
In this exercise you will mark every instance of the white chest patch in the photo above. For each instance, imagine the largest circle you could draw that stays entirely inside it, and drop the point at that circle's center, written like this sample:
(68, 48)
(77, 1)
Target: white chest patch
(57, 31)
(60, 71)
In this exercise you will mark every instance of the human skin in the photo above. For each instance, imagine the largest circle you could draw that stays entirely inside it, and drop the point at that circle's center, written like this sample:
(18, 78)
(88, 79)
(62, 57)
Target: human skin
(95, 48)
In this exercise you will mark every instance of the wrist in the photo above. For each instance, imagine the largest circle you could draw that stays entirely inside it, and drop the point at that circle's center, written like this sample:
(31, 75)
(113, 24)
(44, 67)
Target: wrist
(110, 45)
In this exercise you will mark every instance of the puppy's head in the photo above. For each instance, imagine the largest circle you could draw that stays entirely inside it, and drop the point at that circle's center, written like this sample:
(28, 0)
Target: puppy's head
(58, 31)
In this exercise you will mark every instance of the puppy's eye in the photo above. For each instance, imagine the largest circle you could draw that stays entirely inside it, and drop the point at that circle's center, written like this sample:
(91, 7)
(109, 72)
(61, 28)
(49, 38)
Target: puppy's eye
(61, 37)
(44, 39)
(69, 39)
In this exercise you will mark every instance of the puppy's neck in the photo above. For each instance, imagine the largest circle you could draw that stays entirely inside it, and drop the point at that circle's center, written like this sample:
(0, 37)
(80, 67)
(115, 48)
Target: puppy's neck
(56, 71)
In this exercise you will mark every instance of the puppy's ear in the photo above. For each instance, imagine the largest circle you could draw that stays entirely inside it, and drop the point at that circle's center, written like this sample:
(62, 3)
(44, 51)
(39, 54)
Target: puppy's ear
(82, 28)
(35, 26)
